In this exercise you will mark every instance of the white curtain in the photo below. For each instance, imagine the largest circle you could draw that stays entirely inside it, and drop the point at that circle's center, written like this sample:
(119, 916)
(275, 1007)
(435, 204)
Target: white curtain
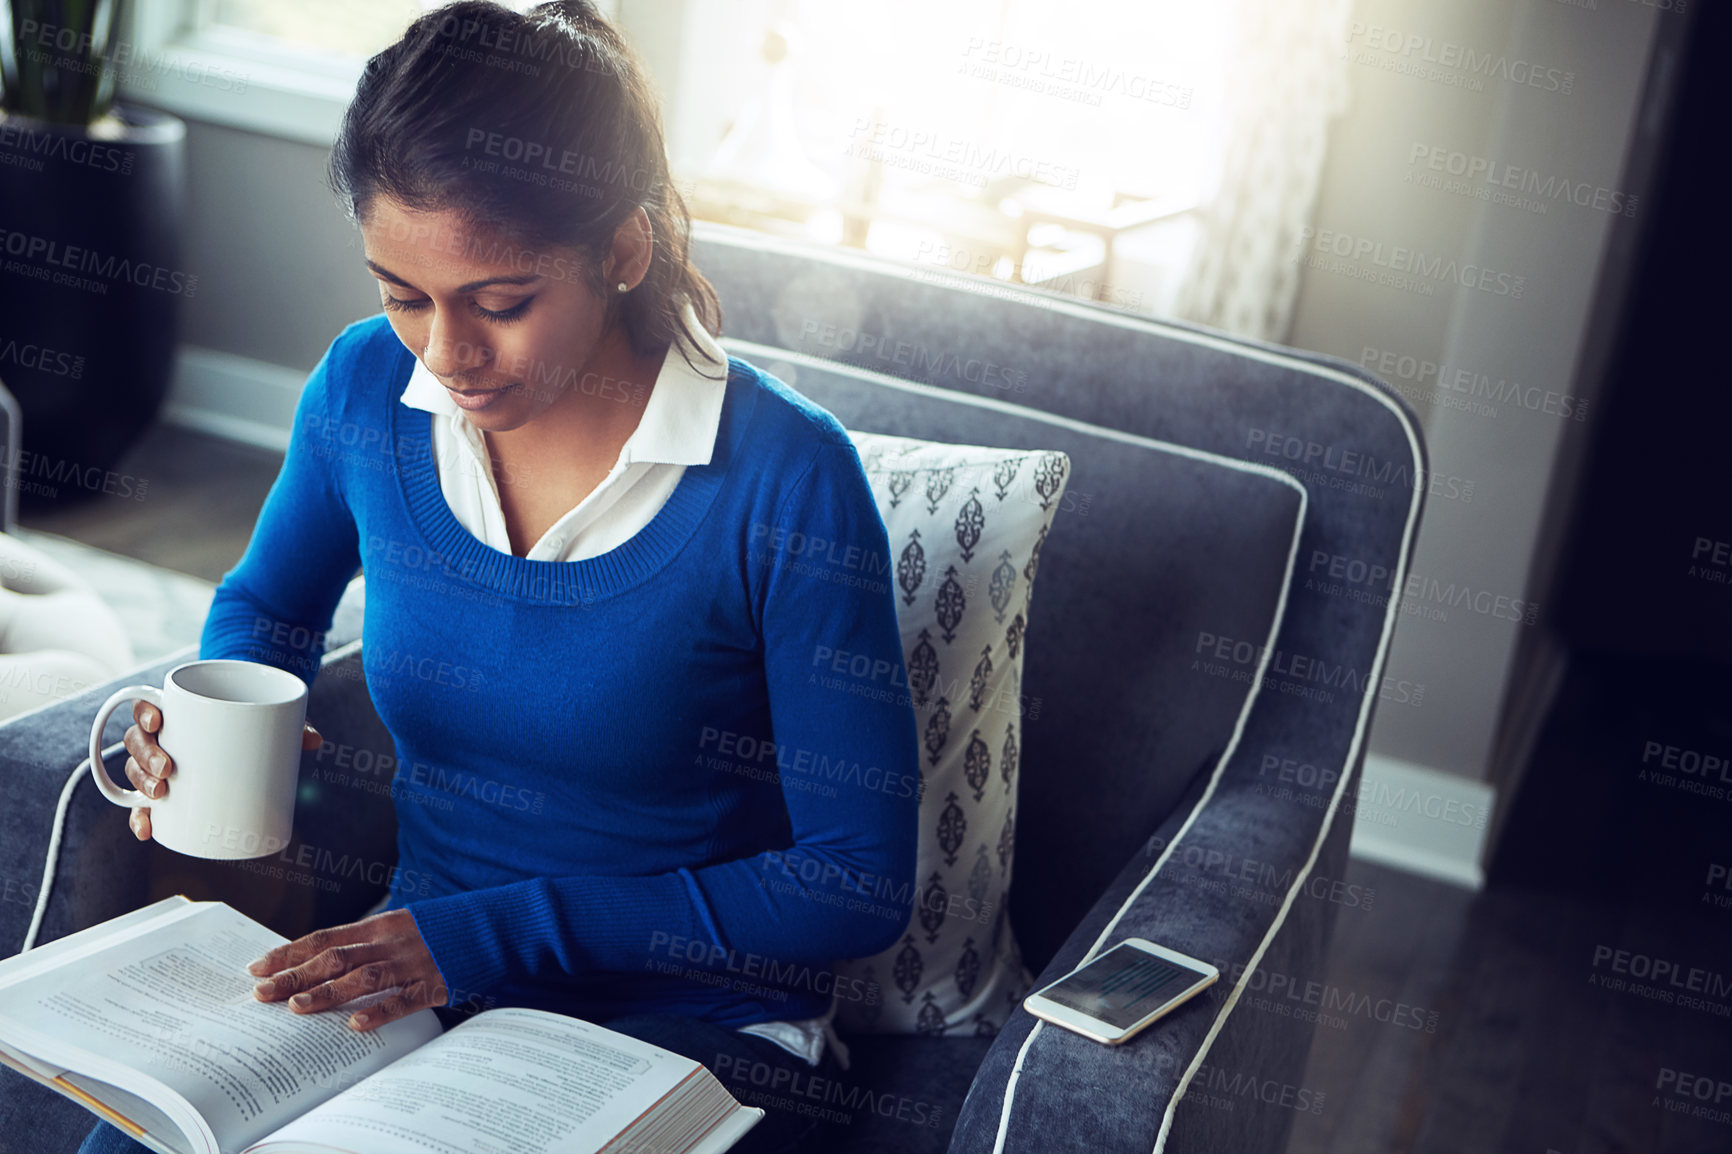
(1287, 81)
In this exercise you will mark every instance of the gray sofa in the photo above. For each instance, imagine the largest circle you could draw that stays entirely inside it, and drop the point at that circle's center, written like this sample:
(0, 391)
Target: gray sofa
(1207, 644)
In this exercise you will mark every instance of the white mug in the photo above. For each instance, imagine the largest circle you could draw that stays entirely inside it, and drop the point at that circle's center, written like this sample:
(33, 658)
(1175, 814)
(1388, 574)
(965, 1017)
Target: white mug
(233, 731)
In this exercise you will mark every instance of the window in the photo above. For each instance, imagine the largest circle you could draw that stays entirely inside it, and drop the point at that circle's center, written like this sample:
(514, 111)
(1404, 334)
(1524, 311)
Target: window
(1063, 146)
(345, 27)
(284, 67)
(1038, 143)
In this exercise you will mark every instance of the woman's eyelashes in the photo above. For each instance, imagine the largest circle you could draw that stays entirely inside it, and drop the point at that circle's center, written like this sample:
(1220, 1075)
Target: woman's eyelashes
(501, 317)
(504, 316)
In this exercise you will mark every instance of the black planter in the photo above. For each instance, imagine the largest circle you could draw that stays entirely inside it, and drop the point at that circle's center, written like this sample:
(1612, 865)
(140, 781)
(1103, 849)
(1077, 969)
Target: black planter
(91, 285)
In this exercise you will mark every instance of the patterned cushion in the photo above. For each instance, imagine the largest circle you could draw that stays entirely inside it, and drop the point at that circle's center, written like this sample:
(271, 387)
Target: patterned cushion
(966, 525)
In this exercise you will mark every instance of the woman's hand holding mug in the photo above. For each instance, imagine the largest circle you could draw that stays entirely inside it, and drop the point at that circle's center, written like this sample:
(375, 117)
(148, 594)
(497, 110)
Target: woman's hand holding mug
(231, 733)
(148, 767)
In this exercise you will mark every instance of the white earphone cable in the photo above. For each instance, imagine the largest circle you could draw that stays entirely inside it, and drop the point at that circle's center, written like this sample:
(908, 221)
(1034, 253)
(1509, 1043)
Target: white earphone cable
(53, 858)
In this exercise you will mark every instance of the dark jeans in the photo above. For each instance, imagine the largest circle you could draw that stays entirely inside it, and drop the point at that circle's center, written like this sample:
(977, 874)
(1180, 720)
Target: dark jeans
(747, 1065)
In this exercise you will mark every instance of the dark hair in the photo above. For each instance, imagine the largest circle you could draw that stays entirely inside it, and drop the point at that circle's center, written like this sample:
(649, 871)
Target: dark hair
(539, 127)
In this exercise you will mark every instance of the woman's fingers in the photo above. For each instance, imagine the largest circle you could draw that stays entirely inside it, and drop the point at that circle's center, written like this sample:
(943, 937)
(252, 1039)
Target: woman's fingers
(310, 738)
(151, 787)
(334, 977)
(383, 953)
(324, 966)
(417, 994)
(140, 743)
(146, 764)
(292, 954)
(144, 749)
(148, 716)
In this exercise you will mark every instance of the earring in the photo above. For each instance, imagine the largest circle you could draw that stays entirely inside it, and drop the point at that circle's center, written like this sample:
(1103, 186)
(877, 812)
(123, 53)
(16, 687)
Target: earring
(623, 287)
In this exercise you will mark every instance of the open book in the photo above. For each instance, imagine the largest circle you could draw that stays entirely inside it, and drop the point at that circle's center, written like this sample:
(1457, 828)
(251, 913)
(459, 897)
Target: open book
(149, 1021)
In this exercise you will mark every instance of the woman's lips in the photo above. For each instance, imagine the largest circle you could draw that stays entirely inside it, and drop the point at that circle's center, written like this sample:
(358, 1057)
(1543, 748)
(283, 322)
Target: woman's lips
(479, 399)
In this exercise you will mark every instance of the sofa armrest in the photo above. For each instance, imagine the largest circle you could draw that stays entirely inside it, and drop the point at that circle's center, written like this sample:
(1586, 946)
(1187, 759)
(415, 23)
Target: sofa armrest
(1231, 877)
(338, 865)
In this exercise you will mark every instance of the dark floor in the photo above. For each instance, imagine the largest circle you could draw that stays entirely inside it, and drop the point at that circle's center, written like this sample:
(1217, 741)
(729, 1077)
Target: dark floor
(1528, 1044)
(189, 503)
(1547, 1038)
(1531, 1054)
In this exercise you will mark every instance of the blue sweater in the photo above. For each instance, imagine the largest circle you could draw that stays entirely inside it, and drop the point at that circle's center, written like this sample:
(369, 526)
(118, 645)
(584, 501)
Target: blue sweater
(680, 776)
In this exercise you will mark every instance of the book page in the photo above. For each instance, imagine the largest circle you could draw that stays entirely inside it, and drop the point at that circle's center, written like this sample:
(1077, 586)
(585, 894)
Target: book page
(168, 1014)
(133, 1113)
(137, 1110)
(83, 943)
(507, 1081)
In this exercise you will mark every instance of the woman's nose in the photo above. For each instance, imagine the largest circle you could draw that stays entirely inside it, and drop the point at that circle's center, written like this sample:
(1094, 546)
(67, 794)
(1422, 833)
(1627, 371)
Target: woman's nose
(449, 353)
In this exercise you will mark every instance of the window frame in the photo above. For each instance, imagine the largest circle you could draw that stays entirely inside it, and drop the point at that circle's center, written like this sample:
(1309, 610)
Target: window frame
(291, 92)
(294, 94)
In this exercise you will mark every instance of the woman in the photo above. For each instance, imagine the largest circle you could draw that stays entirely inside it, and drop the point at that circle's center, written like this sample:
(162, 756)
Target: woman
(561, 491)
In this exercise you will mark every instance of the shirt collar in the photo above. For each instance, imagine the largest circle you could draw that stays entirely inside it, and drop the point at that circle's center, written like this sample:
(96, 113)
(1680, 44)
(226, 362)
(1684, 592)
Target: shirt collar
(679, 421)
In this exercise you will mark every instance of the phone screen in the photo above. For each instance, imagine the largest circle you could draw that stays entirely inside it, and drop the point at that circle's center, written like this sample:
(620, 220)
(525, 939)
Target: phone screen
(1123, 986)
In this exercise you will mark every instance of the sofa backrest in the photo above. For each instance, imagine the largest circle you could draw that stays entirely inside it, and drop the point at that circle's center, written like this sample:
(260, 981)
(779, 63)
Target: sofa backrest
(1152, 549)
(1159, 612)
(337, 866)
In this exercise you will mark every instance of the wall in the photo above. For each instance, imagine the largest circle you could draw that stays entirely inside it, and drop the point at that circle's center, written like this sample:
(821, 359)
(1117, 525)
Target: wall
(279, 265)
(1516, 335)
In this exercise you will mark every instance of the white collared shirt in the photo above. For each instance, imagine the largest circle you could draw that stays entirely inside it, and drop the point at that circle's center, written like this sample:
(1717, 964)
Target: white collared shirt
(678, 428)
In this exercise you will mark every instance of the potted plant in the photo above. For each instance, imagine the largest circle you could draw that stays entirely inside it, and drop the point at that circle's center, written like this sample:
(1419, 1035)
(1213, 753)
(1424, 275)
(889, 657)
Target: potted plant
(91, 280)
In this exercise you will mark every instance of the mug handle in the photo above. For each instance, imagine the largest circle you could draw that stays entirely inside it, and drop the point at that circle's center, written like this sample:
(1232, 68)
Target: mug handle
(127, 798)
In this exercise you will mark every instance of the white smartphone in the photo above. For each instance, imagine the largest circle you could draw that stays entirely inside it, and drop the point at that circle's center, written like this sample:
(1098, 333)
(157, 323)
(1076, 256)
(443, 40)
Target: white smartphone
(1111, 998)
